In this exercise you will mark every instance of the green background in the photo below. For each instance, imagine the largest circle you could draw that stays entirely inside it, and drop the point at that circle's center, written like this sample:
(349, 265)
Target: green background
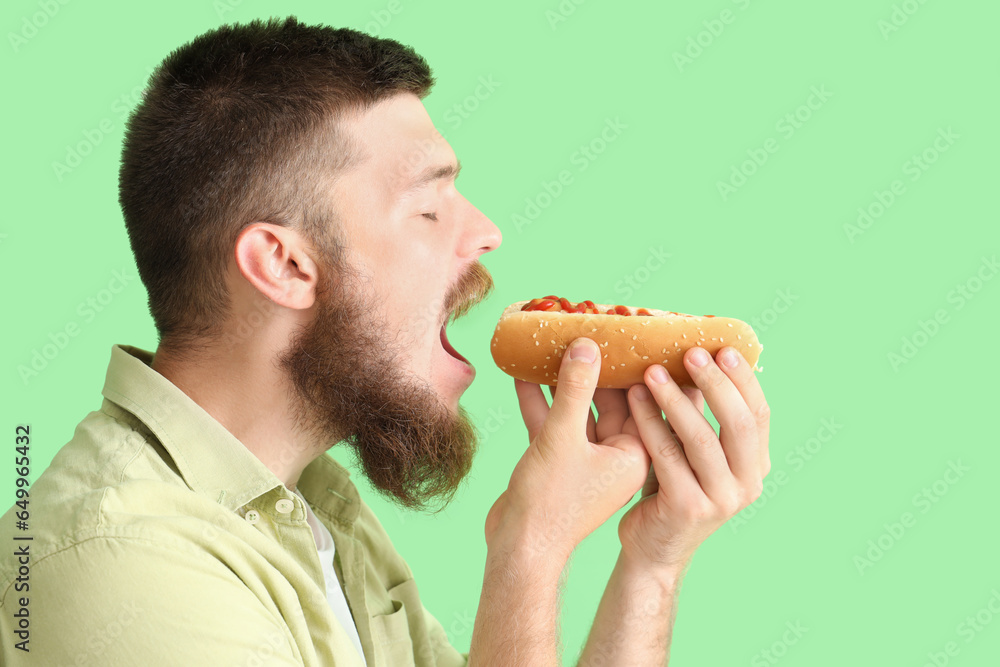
(830, 307)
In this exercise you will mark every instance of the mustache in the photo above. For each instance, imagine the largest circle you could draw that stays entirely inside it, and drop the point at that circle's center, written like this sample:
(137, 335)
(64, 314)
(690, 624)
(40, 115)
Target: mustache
(475, 285)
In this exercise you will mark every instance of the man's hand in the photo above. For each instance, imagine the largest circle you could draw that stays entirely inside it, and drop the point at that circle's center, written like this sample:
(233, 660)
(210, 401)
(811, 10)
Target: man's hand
(698, 480)
(575, 474)
(577, 471)
(696, 483)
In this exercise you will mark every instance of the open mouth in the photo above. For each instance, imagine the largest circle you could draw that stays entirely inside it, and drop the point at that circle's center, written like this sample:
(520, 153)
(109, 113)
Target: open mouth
(447, 346)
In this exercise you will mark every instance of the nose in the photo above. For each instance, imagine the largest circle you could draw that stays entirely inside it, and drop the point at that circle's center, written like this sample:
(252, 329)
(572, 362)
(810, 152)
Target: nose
(482, 236)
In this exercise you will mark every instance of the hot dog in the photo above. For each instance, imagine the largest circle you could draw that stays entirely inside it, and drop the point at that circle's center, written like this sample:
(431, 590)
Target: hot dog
(531, 336)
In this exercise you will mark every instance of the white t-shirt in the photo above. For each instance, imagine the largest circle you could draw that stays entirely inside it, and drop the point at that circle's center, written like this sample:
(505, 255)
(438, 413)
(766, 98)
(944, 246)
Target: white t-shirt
(334, 593)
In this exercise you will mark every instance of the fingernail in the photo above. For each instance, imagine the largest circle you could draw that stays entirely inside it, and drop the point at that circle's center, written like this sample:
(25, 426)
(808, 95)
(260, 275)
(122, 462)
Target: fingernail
(658, 375)
(583, 350)
(699, 357)
(729, 358)
(641, 393)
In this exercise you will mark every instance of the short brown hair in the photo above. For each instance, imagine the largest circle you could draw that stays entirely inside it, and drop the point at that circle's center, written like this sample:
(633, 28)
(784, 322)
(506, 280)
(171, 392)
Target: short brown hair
(237, 126)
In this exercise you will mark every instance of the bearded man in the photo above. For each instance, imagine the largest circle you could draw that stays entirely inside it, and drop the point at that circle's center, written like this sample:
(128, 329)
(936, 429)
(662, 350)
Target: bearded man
(295, 221)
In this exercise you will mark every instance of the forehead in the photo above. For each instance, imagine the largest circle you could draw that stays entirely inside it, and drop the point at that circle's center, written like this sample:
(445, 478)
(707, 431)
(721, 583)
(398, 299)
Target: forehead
(397, 141)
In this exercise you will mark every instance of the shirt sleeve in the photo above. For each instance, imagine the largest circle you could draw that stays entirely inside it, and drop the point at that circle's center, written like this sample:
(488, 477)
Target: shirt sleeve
(125, 601)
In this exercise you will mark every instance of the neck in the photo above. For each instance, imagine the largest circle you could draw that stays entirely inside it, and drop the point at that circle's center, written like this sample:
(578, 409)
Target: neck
(243, 389)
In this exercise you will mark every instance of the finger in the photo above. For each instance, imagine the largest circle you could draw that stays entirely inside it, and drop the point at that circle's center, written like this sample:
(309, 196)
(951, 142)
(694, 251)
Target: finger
(577, 381)
(697, 398)
(591, 421)
(747, 384)
(737, 426)
(635, 457)
(629, 427)
(652, 485)
(534, 407)
(612, 410)
(704, 453)
(670, 465)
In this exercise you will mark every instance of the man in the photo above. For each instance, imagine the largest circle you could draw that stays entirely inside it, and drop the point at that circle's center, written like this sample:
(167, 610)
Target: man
(294, 218)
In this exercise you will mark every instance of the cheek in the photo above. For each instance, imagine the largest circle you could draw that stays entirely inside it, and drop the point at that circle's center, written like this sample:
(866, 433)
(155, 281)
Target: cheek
(407, 265)
(413, 302)
(417, 281)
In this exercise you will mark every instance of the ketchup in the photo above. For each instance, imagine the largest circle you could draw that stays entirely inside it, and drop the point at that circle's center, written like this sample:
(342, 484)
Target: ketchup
(559, 304)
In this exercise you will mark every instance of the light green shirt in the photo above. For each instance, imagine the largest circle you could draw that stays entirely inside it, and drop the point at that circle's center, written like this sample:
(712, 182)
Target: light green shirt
(159, 539)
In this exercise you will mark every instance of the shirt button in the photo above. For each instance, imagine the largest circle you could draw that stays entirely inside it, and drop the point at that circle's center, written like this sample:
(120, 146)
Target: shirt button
(253, 516)
(284, 505)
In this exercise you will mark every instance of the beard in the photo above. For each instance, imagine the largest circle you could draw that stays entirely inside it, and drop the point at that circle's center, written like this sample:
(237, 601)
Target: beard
(351, 385)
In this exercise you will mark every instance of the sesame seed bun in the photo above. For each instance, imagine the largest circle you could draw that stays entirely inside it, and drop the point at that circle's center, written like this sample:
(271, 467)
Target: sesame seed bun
(529, 345)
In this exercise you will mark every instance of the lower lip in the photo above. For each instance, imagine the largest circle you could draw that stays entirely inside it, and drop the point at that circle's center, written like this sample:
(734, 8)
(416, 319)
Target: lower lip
(464, 366)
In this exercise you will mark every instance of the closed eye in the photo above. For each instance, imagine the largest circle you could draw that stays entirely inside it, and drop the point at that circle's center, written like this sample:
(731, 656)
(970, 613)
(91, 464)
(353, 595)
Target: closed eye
(430, 216)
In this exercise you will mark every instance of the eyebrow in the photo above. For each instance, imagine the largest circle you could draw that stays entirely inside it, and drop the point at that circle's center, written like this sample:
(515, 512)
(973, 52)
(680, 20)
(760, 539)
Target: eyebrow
(433, 173)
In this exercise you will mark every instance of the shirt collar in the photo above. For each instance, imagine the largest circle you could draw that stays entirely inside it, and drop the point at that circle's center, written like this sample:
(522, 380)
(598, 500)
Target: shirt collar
(212, 460)
(328, 487)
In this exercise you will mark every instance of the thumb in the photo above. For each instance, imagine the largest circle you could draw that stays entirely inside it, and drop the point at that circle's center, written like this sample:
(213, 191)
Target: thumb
(577, 381)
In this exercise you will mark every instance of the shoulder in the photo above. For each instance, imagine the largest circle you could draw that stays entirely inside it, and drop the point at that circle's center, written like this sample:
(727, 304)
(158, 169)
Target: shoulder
(107, 484)
(135, 601)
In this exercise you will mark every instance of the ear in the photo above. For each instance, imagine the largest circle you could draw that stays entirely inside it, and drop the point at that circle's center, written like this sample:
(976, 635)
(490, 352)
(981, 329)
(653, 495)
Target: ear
(276, 261)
